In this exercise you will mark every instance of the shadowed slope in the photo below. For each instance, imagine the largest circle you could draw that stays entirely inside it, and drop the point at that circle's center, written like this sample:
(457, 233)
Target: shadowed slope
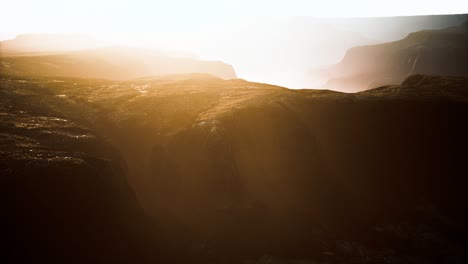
(232, 171)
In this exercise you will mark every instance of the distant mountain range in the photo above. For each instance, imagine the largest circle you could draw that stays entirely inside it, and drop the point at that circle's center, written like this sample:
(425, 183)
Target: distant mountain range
(440, 52)
(46, 43)
(38, 55)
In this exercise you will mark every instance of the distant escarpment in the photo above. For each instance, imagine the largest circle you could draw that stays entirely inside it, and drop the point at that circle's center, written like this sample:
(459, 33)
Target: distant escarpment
(117, 63)
(438, 52)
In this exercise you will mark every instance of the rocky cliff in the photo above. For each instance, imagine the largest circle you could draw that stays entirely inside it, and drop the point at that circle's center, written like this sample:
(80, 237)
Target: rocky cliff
(231, 171)
(438, 52)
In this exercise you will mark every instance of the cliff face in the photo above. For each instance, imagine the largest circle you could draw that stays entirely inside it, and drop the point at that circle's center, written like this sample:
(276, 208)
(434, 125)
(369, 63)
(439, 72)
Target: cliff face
(439, 52)
(64, 193)
(328, 163)
(216, 163)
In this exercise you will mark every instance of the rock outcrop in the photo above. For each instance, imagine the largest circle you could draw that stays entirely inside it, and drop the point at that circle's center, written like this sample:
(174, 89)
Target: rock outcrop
(232, 171)
(64, 193)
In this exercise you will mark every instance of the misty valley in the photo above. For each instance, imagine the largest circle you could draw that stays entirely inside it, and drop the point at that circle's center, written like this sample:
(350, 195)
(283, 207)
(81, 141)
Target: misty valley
(129, 155)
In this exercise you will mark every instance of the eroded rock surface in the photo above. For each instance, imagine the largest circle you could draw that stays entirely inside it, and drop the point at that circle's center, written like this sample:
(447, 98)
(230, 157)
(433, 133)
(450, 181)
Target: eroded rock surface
(238, 172)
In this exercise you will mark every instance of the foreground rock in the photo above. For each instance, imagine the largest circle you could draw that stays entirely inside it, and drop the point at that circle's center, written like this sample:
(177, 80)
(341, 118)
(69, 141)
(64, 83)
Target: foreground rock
(64, 195)
(240, 172)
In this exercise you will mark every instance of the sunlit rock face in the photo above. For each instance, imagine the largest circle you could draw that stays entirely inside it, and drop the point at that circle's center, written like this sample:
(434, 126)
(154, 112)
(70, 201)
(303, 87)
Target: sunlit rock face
(312, 155)
(275, 164)
(230, 171)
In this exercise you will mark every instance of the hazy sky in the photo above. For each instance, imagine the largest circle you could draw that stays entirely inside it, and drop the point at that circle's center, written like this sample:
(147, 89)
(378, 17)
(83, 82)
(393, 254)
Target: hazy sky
(20, 16)
(261, 39)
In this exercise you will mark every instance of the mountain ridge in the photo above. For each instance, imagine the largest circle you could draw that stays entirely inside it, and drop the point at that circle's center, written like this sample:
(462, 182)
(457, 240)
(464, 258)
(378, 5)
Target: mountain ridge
(439, 52)
(115, 62)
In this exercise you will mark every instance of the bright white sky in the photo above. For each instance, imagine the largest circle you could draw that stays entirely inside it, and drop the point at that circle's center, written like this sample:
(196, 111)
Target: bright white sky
(211, 28)
(33, 16)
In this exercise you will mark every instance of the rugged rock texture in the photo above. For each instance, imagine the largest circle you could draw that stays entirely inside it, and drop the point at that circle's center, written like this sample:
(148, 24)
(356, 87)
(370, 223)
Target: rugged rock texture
(439, 52)
(238, 172)
(64, 195)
